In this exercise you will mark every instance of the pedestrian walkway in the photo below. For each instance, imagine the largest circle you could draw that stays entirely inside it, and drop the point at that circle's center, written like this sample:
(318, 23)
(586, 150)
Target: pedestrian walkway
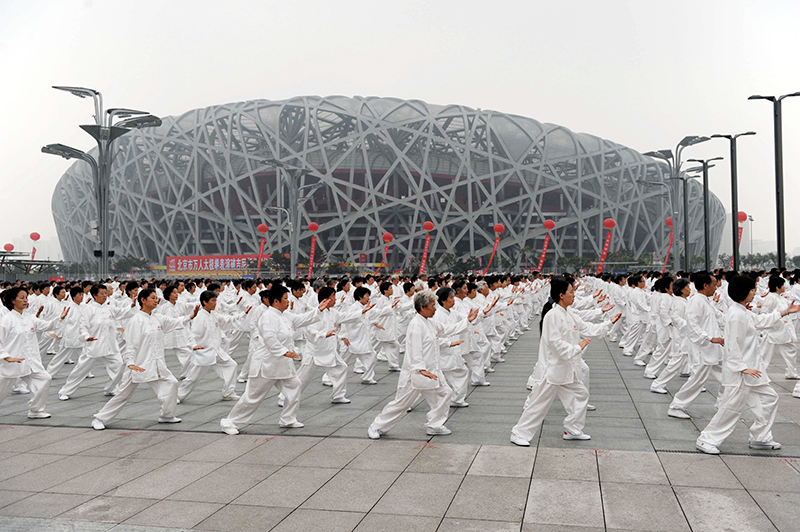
(638, 473)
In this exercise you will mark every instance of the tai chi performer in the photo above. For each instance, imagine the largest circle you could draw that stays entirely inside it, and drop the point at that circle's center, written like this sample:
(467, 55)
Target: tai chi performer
(744, 373)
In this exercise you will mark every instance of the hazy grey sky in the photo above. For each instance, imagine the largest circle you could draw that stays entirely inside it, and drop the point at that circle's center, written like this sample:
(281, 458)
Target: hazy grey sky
(641, 73)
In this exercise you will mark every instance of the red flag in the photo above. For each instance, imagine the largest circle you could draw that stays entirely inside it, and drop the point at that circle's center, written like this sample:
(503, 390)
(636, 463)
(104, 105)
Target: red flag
(494, 250)
(425, 254)
(605, 253)
(385, 252)
(544, 252)
(738, 245)
(669, 248)
(33, 253)
(261, 253)
(311, 255)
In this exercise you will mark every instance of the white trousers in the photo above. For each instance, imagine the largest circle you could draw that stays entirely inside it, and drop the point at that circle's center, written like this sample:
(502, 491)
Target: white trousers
(225, 369)
(61, 357)
(391, 351)
(184, 355)
(165, 388)
(114, 368)
(38, 383)
(632, 337)
(337, 375)
(673, 369)
(458, 379)
(649, 341)
(47, 344)
(367, 360)
(692, 387)
(438, 400)
(660, 356)
(574, 397)
(256, 391)
(476, 361)
(762, 401)
(787, 351)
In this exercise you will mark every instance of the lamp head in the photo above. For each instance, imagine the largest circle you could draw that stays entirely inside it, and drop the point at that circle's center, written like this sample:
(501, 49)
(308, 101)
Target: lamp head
(64, 151)
(692, 140)
(80, 92)
(140, 122)
(789, 95)
(759, 97)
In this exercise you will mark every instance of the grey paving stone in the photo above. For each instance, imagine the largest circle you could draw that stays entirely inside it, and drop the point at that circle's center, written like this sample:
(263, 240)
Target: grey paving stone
(239, 518)
(225, 449)
(175, 514)
(447, 458)
(27, 524)
(288, 487)
(352, 490)
(470, 525)
(40, 438)
(630, 467)
(224, 484)
(80, 442)
(21, 463)
(8, 497)
(762, 474)
(54, 473)
(493, 460)
(107, 477)
(46, 505)
(331, 453)
(165, 480)
(382, 455)
(782, 508)
(177, 446)
(398, 523)
(490, 498)
(107, 509)
(278, 450)
(565, 464)
(425, 494)
(709, 509)
(642, 507)
(564, 502)
(14, 432)
(698, 470)
(317, 519)
(537, 527)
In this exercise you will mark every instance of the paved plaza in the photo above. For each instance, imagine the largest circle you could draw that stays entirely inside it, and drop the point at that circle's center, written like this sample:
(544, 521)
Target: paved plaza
(639, 472)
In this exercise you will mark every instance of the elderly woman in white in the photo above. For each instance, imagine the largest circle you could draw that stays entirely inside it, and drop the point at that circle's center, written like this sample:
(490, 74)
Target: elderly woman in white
(781, 338)
(421, 374)
(744, 373)
(559, 370)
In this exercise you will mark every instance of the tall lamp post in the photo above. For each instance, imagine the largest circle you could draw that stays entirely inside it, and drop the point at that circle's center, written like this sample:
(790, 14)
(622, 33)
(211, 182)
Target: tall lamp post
(777, 120)
(105, 132)
(734, 193)
(675, 262)
(674, 162)
(706, 221)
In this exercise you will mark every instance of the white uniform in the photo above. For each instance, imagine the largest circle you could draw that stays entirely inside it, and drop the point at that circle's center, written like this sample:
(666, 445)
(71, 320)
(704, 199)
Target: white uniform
(206, 331)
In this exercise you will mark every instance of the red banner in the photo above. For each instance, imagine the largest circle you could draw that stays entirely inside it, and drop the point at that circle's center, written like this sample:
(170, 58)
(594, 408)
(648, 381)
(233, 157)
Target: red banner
(544, 252)
(738, 245)
(494, 250)
(33, 253)
(425, 254)
(383, 260)
(311, 255)
(605, 253)
(211, 263)
(261, 253)
(669, 248)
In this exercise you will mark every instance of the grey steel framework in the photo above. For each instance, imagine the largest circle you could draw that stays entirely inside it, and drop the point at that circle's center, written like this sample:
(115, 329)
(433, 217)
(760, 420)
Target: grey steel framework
(202, 182)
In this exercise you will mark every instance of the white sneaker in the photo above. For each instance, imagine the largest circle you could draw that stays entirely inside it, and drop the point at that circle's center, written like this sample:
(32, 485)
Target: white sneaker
(459, 404)
(38, 415)
(90, 376)
(703, 390)
(69, 362)
(394, 368)
(381, 358)
(489, 370)
(280, 402)
(765, 445)
(231, 397)
(20, 391)
(651, 377)
(519, 440)
(792, 376)
(359, 371)
(581, 436)
(240, 380)
(370, 381)
(707, 448)
(639, 363)
(293, 425)
(679, 413)
(230, 430)
(484, 383)
(341, 401)
(658, 389)
(169, 419)
(591, 408)
(626, 354)
(63, 397)
(441, 431)
(500, 360)
(109, 394)
(374, 434)
(97, 424)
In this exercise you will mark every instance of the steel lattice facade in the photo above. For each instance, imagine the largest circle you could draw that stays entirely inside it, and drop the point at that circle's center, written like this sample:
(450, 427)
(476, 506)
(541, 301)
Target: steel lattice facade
(201, 183)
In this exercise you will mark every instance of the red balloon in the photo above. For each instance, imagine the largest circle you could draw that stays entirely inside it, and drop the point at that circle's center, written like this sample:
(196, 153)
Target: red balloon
(609, 223)
(9, 247)
(388, 237)
(428, 226)
(262, 228)
(499, 228)
(742, 217)
(549, 225)
(313, 226)
(669, 221)
(35, 236)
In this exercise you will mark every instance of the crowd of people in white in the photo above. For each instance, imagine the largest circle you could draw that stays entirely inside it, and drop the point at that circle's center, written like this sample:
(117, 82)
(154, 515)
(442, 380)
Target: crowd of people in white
(442, 335)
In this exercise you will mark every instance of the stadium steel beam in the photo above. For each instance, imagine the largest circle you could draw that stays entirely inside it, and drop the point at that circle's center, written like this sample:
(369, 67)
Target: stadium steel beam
(734, 194)
(777, 115)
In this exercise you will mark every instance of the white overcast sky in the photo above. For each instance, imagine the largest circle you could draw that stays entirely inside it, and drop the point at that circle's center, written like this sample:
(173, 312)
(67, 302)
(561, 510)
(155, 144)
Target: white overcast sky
(641, 73)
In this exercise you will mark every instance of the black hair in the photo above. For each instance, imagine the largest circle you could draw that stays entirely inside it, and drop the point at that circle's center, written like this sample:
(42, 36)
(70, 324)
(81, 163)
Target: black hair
(10, 295)
(74, 291)
(248, 284)
(210, 287)
(168, 291)
(558, 287)
(679, 285)
(276, 293)
(471, 287)
(57, 290)
(96, 288)
(740, 287)
(385, 286)
(130, 287)
(662, 285)
(144, 294)
(443, 294)
(407, 287)
(775, 283)
(360, 292)
(324, 293)
(207, 296)
(296, 285)
(701, 279)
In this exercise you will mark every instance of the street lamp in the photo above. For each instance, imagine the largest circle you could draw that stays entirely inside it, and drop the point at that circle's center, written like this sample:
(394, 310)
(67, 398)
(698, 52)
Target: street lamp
(104, 134)
(777, 119)
(734, 193)
(674, 163)
(706, 221)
